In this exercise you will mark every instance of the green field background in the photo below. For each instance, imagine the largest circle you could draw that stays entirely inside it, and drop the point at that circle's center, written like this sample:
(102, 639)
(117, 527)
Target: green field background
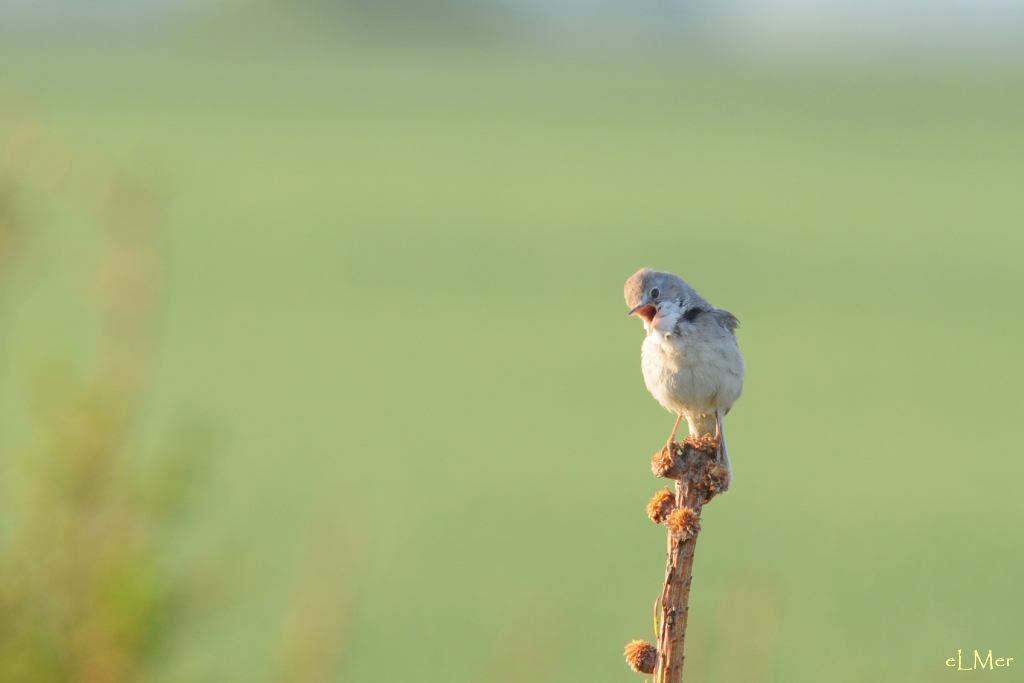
(394, 286)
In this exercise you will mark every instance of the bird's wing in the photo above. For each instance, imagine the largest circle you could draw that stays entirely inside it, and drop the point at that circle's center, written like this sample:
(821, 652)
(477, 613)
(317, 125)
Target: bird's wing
(726, 319)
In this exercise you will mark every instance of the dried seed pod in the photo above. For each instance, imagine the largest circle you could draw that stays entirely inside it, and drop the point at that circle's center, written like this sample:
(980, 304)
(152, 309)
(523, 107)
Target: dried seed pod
(715, 478)
(683, 523)
(668, 463)
(705, 443)
(642, 657)
(661, 506)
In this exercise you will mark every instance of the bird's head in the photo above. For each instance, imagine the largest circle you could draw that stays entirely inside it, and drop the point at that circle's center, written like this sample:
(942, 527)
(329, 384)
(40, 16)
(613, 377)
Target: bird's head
(656, 296)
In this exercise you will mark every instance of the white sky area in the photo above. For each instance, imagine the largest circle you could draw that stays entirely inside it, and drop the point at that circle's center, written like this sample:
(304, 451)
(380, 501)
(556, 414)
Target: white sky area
(776, 27)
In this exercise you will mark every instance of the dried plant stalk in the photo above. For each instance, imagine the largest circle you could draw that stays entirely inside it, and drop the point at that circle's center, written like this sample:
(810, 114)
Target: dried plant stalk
(698, 477)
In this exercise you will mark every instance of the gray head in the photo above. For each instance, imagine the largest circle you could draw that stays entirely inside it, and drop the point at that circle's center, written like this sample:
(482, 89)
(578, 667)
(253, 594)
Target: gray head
(647, 290)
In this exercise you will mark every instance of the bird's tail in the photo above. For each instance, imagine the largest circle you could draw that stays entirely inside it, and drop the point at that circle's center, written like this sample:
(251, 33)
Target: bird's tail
(724, 458)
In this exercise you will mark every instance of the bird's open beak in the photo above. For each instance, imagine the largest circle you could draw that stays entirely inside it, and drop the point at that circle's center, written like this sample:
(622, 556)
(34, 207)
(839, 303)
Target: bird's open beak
(646, 311)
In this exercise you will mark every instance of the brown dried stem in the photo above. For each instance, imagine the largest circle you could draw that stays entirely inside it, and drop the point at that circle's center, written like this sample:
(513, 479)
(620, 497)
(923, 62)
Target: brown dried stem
(698, 476)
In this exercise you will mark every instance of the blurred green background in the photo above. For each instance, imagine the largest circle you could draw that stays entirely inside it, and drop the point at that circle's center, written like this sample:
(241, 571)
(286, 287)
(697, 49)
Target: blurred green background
(389, 284)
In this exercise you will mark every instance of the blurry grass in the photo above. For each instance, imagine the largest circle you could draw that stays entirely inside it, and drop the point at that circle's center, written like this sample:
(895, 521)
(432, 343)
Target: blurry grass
(89, 589)
(85, 592)
(531, 644)
(316, 630)
(377, 262)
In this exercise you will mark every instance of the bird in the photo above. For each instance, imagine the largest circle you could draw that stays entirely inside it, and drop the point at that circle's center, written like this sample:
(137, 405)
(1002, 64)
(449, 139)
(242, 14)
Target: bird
(690, 359)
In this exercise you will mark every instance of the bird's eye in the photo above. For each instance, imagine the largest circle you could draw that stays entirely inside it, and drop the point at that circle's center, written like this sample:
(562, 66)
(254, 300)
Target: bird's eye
(655, 293)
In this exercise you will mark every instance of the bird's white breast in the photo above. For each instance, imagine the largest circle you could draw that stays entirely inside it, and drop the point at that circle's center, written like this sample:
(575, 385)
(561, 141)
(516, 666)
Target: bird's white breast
(695, 370)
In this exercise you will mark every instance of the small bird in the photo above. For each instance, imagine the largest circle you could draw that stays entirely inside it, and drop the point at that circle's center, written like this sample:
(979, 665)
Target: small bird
(690, 359)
